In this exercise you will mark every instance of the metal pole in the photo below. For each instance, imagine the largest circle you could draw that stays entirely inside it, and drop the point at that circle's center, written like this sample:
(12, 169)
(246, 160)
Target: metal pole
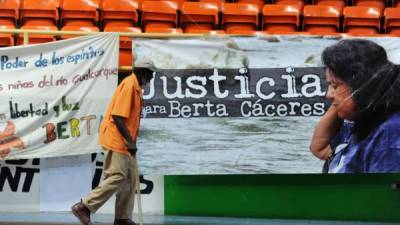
(26, 38)
(137, 185)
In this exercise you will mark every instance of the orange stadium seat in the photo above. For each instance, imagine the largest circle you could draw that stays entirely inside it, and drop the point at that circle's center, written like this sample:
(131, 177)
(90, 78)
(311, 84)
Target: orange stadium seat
(139, 4)
(239, 17)
(260, 3)
(321, 19)
(120, 13)
(6, 39)
(297, 3)
(39, 13)
(392, 21)
(339, 4)
(218, 2)
(280, 19)
(251, 33)
(378, 4)
(178, 2)
(98, 2)
(38, 38)
(359, 20)
(216, 32)
(9, 12)
(165, 30)
(9, 15)
(79, 13)
(159, 15)
(199, 17)
(125, 44)
(77, 28)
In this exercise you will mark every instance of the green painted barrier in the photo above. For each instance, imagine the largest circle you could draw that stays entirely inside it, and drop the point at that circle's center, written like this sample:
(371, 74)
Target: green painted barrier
(352, 197)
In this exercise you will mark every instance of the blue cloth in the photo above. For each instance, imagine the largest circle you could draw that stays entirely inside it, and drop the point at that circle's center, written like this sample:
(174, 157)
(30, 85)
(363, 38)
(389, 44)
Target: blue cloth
(378, 153)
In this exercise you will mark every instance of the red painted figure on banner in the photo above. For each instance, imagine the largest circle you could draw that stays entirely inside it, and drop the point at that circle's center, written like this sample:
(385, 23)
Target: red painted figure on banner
(9, 141)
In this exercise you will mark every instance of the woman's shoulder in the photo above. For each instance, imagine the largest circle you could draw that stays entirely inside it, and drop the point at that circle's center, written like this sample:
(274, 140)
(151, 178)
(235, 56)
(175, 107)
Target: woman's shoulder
(390, 131)
(392, 123)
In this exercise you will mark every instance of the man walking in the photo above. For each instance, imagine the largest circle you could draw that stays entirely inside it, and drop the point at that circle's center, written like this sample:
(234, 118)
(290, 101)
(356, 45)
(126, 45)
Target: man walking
(117, 136)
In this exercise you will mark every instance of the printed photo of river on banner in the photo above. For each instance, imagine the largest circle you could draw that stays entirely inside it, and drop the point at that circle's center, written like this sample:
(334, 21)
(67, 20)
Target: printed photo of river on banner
(234, 105)
(53, 96)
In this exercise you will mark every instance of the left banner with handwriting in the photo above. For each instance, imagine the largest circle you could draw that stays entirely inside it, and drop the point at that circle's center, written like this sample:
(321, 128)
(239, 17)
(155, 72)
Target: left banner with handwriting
(53, 95)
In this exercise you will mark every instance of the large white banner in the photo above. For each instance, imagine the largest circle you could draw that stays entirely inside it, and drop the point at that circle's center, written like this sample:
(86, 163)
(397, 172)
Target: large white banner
(234, 105)
(53, 95)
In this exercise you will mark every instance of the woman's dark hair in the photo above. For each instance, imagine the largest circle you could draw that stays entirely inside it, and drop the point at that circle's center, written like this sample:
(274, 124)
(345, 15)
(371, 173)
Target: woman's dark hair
(374, 80)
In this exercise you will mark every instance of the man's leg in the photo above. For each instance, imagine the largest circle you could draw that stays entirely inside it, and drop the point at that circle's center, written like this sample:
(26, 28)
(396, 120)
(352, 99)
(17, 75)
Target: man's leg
(115, 173)
(126, 195)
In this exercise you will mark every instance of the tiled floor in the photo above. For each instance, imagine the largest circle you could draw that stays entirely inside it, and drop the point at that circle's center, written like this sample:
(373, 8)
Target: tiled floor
(105, 219)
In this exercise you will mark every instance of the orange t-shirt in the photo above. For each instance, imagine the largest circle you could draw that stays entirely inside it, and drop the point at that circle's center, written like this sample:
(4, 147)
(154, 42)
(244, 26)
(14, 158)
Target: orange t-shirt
(126, 102)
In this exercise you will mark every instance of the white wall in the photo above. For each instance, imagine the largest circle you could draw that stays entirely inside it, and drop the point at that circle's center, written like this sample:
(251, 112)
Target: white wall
(54, 184)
